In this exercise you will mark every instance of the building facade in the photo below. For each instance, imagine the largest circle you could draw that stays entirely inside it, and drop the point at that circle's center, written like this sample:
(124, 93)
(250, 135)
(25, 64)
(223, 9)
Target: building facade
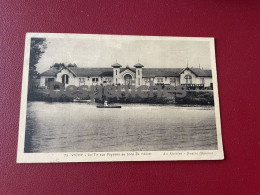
(136, 76)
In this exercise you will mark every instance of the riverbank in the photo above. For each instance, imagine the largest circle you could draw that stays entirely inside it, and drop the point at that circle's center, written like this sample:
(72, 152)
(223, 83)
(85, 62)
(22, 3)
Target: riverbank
(192, 97)
(199, 97)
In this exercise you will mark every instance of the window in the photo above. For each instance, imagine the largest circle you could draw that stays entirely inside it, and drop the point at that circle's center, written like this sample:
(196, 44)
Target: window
(94, 80)
(146, 80)
(65, 79)
(188, 79)
(107, 80)
(159, 80)
(139, 81)
(116, 81)
(138, 72)
(172, 80)
(116, 72)
(82, 80)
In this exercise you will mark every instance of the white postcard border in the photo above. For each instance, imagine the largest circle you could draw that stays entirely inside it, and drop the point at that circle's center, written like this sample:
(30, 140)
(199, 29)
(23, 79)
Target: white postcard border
(121, 155)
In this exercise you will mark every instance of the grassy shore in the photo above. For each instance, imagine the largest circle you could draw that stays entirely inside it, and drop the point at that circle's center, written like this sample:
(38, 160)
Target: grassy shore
(200, 97)
(193, 97)
(44, 95)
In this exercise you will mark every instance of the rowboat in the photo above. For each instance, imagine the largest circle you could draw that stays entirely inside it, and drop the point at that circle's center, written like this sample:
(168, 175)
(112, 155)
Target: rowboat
(110, 106)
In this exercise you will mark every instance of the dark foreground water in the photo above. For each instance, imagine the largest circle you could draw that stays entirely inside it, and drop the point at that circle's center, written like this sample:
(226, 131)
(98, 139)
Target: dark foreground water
(80, 127)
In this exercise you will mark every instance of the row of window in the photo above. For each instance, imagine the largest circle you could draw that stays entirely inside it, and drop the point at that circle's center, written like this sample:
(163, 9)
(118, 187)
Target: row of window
(161, 80)
(146, 80)
(82, 80)
(65, 79)
(95, 80)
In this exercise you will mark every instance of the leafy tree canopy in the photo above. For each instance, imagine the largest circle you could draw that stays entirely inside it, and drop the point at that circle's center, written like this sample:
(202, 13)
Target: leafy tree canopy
(58, 65)
(72, 65)
(38, 47)
(61, 65)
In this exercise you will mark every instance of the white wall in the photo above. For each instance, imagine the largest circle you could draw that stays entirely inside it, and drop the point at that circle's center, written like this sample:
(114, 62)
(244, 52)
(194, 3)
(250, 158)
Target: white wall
(109, 80)
(195, 79)
(89, 82)
(42, 81)
(149, 80)
(116, 75)
(72, 80)
(208, 81)
(139, 77)
(167, 81)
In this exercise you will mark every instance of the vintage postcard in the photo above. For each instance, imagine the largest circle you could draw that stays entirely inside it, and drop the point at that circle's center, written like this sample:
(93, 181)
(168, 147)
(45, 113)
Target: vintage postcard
(94, 98)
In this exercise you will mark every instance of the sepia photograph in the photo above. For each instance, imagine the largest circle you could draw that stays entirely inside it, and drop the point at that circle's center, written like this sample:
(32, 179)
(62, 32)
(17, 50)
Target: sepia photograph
(94, 98)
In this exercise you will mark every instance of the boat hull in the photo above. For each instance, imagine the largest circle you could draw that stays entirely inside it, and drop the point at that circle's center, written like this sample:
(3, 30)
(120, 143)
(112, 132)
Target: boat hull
(108, 106)
(85, 101)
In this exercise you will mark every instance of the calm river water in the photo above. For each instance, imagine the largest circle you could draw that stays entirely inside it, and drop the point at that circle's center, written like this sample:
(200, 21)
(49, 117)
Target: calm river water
(81, 127)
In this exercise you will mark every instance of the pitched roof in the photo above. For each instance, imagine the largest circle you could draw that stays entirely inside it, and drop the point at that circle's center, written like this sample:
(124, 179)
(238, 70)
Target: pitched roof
(208, 73)
(70, 69)
(147, 72)
(200, 72)
(127, 67)
(51, 72)
(161, 72)
(92, 72)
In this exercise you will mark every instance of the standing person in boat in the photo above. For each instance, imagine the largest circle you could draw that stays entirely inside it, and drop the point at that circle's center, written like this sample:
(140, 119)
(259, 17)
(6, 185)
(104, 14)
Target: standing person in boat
(105, 103)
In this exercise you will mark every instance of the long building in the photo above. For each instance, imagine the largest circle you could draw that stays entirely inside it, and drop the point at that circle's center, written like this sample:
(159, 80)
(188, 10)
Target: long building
(136, 75)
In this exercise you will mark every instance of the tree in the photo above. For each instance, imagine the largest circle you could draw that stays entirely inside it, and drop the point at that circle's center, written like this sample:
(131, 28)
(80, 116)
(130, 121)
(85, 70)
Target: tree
(58, 65)
(38, 47)
(72, 65)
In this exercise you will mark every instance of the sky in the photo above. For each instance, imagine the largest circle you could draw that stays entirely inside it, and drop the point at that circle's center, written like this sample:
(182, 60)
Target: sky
(102, 53)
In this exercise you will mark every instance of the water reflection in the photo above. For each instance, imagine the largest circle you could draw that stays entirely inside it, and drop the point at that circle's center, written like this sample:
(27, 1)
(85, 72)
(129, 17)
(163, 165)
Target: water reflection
(80, 127)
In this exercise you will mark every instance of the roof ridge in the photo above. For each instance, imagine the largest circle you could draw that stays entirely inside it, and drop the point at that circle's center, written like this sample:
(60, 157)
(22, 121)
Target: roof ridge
(147, 72)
